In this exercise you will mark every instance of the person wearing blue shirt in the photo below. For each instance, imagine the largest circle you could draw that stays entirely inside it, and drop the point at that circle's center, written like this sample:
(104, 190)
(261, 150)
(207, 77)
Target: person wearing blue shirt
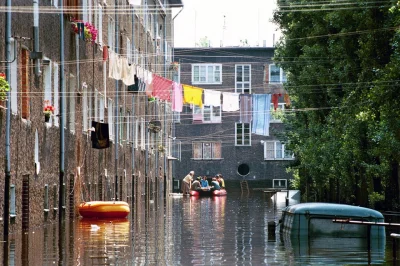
(204, 182)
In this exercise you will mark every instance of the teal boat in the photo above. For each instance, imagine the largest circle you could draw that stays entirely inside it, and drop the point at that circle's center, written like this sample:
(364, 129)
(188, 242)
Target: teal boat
(314, 228)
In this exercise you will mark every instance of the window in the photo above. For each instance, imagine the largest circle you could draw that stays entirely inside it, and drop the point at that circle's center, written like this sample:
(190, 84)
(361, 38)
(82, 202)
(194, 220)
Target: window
(136, 134)
(14, 78)
(46, 198)
(55, 93)
(25, 86)
(176, 117)
(242, 134)
(275, 150)
(206, 150)
(142, 134)
(98, 21)
(277, 115)
(129, 51)
(111, 33)
(111, 118)
(85, 15)
(276, 74)
(71, 98)
(85, 108)
(207, 74)
(207, 114)
(279, 183)
(243, 78)
(47, 75)
(13, 212)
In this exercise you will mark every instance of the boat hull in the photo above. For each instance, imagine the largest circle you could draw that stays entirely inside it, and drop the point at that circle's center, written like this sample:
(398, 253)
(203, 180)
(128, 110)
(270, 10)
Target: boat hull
(104, 209)
(208, 193)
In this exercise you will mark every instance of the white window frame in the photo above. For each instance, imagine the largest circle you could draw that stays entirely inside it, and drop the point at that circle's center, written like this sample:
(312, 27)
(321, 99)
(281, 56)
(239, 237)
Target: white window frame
(111, 118)
(142, 134)
(55, 3)
(203, 145)
(111, 33)
(71, 98)
(14, 77)
(99, 23)
(282, 183)
(129, 50)
(55, 93)
(205, 71)
(282, 75)
(242, 135)
(85, 9)
(176, 117)
(198, 114)
(13, 207)
(281, 108)
(136, 133)
(242, 83)
(128, 127)
(277, 148)
(85, 108)
(46, 198)
(101, 108)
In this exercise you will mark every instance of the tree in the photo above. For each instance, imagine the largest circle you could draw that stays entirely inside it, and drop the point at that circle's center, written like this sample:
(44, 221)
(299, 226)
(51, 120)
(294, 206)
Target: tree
(339, 63)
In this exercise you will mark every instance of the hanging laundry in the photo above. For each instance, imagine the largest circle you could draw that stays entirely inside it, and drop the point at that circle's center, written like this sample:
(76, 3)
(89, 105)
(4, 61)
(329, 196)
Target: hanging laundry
(275, 100)
(261, 114)
(245, 108)
(212, 97)
(177, 98)
(115, 67)
(124, 68)
(100, 137)
(129, 78)
(286, 98)
(134, 87)
(162, 88)
(230, 101)
(105, 53)
(192, 95)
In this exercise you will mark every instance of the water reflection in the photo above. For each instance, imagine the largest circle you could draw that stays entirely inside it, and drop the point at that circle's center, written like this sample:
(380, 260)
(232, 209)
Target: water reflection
(231, 230)
(102, 242)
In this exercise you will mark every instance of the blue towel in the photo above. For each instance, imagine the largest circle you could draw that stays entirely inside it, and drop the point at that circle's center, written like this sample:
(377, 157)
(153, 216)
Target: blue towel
(261, 114)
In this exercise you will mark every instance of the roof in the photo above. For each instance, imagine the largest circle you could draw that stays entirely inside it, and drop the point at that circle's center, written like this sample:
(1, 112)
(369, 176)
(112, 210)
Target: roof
(333, 209)
(175, 3)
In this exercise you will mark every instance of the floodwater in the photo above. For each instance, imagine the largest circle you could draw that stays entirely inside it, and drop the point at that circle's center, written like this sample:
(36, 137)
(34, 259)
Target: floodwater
(231, 230)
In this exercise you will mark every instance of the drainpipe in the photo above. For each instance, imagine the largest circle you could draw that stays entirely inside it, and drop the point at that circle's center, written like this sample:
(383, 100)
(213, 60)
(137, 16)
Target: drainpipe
(36, 34)
(6, 218)
(116, 104)
(61, 113)
(133, 110)
(165, 105)
(156, 172)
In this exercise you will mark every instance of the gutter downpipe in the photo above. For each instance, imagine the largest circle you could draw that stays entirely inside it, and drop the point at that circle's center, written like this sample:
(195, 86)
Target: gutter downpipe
(36, 34)
(133, 114)
(116, 105)
(165, 109)
(173, 119)
(7, 140)
(156, 172)
(62, 129)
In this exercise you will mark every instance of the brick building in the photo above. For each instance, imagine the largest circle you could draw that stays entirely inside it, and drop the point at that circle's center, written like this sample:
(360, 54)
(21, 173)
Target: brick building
(213, 141)
(133, 165)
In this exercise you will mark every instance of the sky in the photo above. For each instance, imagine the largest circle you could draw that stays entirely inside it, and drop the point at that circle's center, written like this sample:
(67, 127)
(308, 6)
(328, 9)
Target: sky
(244, 20)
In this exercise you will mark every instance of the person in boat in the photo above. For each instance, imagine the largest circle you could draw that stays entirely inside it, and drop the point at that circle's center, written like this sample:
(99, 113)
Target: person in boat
(186, 183)
(196, 184)
(215, 184)
(221, 181)
(204, 182)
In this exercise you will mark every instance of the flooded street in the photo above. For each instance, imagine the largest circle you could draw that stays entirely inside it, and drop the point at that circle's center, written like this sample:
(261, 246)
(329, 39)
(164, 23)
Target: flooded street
(231, 230)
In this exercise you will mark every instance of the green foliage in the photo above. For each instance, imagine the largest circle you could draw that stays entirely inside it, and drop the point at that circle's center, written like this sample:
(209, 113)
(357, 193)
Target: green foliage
(203, 42)
(343, 67)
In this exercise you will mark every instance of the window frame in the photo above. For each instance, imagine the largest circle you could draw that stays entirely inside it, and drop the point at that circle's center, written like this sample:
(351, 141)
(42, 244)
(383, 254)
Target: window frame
(203, 145)
(206, 77)
(243, 135)
(277, 149)
(242, 83)
(281, 107)
(279, 180)
(199, 117)
(282, 75)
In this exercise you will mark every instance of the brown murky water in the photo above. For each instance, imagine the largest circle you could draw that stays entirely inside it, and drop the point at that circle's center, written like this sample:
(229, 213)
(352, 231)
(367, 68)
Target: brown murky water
(231, 230)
